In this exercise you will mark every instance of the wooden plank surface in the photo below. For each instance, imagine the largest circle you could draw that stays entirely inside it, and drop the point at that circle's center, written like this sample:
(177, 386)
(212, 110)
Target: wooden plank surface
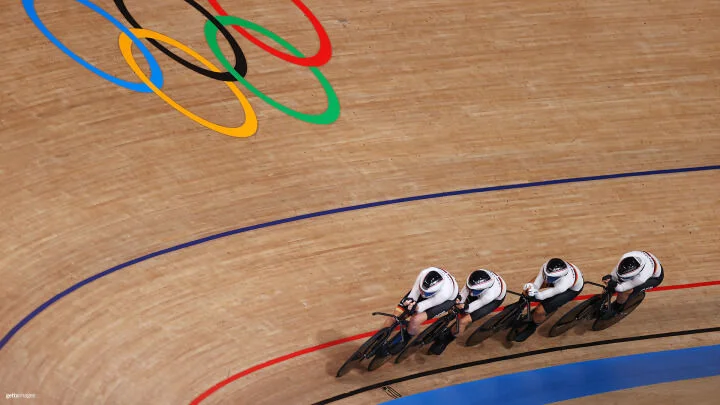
(436, 96)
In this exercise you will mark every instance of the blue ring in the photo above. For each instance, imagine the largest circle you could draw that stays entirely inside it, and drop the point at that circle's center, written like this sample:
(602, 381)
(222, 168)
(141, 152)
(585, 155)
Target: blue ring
(156, 76)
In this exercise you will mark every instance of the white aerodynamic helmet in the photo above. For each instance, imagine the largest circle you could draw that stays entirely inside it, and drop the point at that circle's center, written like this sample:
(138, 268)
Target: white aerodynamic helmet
(480, 281)
(431, 283)
(555, 268)
(629, 267)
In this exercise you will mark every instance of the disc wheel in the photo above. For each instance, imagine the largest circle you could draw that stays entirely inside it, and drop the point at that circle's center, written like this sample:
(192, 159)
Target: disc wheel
(602, 324)
(492, 325)
(581, 312)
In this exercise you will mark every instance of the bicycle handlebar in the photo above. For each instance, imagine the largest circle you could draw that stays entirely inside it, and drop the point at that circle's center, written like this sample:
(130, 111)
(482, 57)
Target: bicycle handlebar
(384, 314)
(596, 284)
(523, 297)
(398, 318)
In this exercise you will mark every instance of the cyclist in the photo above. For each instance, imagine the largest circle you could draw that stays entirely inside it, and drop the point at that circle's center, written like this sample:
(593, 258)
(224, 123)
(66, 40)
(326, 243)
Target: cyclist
(636, 272)
(434, 292)
(483, 292)
(557, 284)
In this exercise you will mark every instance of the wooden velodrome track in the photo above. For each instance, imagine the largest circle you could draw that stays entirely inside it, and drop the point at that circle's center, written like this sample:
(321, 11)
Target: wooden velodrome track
(436, 97)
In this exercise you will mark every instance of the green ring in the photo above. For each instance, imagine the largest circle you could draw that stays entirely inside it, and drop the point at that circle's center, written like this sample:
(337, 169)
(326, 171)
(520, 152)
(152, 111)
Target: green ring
(329, 116)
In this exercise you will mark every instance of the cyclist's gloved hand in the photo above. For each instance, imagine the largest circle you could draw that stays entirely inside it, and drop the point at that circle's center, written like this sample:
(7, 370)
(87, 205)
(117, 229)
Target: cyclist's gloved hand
(530, 289)
(606, 278)
(612, 284)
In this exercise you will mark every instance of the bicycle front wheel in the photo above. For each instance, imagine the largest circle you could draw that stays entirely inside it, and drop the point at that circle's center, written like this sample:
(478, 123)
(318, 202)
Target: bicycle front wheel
(366, 348)
(349, 364)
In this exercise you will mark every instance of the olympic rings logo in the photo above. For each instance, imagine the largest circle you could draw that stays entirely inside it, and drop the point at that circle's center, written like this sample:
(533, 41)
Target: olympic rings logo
(130, 36)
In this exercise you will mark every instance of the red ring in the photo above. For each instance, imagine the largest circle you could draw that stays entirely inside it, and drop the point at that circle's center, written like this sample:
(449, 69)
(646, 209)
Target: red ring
(320, 58)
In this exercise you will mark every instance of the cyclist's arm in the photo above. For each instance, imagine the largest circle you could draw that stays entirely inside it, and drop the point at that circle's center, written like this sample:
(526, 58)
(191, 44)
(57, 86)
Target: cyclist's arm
(464, 294)
(611, 280)
(436, 299)
(630, 284)
(403, 304)
(447, 292)
(538, 282)
(559, 287)
(481, 302)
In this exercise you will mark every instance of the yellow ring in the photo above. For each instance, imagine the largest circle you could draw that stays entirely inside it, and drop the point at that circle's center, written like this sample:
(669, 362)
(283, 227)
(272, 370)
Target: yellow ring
(251, 123)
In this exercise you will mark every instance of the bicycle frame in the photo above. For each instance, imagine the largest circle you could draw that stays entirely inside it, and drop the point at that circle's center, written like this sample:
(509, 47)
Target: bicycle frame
(400, 321)
(606, 295)
(455, 314)
(527, 307)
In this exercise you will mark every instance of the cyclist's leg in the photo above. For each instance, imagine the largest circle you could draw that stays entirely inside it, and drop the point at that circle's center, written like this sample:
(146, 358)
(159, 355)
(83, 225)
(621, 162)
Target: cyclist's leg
(548, 306)
(539, 314)
(414, 324)
(389, 321)
(464, 320)
(416, 321)
(443, 340)
(623, 297)
(402, 336)
(399, 341)
(431, 313)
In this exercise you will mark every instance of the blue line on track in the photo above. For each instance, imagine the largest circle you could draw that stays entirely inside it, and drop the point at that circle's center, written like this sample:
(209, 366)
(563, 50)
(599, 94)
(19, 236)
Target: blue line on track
(210, 238)
(575, 380)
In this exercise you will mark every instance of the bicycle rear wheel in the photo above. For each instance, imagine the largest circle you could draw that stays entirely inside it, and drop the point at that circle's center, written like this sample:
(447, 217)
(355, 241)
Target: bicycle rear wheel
(378, 360)
(494, 324)
(360, 354)
(423, 338)
(582, 311)
(602, 324)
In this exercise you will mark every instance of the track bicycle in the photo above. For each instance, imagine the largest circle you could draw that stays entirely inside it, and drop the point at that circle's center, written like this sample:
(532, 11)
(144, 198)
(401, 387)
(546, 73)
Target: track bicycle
(372, 346)
(592, 309)
(513, 317)
(428, 336)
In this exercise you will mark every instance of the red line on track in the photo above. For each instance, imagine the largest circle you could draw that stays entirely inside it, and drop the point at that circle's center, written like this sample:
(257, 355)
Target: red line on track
(325, 345)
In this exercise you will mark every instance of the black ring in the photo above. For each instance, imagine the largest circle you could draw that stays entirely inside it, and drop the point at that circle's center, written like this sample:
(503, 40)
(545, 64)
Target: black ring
(240, 61)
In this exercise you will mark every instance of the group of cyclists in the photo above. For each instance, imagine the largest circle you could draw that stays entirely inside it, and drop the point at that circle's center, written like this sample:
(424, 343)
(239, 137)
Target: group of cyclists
(558, 282)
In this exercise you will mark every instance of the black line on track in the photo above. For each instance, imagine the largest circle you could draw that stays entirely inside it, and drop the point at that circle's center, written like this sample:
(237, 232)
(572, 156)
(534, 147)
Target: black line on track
(511, 357)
